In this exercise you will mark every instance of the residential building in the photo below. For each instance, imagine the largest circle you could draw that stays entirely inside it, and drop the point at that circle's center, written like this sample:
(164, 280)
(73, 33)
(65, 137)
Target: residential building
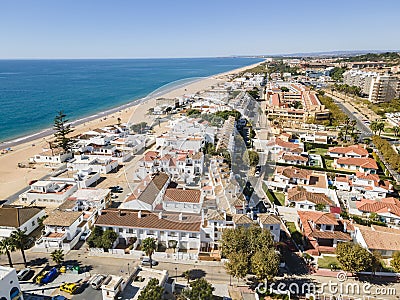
(182, 200)
(48, 193)
(369, 185)
(364, 164)
(314, 137)
(148, 194)
(13, 218)
(301, 199)
(384, 88)
(9, 284)
(84, 162)
(387, 209)
(52, 156)
(182, 229)
(62, 230)
(355, 151)
(383, 240)
(322, 231)
(360, 79)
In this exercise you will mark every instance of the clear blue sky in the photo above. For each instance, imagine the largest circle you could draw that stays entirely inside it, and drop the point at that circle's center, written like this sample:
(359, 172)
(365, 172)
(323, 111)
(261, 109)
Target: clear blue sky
(189, 28)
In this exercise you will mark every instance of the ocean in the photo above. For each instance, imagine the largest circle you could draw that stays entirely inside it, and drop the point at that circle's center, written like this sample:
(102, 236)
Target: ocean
(33, 91)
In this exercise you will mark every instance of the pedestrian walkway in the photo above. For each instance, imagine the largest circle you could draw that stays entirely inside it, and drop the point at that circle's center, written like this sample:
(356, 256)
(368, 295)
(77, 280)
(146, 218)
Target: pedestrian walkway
(326, 273)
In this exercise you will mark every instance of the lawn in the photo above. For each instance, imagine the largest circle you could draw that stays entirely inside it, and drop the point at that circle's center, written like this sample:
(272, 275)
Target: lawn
(296, 235)
(281, 197)
(318, 151)
(326, 262)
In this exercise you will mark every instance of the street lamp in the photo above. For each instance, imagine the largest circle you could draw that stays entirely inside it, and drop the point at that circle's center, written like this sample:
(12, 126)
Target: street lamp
(176, 274)
(129, 272)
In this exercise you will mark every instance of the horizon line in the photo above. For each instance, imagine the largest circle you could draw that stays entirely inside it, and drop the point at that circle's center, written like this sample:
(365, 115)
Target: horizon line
(216, 56)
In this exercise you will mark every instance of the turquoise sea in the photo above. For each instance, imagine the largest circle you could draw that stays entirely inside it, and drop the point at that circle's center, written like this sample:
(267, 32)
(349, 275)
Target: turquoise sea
(32, 91)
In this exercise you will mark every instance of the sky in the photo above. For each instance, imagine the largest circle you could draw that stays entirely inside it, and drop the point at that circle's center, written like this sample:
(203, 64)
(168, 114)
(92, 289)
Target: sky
(188, 28)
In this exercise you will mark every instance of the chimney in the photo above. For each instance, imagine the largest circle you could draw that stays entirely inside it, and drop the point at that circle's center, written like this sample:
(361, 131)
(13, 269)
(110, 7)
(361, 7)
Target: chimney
(160, 215)
(180, 217)
(139, 214)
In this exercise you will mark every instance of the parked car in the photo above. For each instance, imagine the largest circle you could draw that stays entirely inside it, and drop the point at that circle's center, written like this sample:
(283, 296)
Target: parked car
(69, 288)
(97, 281)
(85, 235)
(23, 273)
(50, 275)
(146, 262)
(59, 297)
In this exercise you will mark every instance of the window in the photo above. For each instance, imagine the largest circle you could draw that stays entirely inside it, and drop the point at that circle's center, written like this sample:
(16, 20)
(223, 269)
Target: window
(207, 235)
(33, 223)
(271, 227)
(328, 227)
(130, 230)
(120, 230)
(301, 206)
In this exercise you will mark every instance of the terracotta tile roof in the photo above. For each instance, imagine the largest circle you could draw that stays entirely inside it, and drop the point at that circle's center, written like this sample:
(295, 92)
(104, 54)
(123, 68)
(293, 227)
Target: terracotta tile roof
(17, 216)
(377, 238)
(62, 218)
(149, 188)
(130, 219)
(384, 205)
(331, 235)
(289, 157)
(300, 194)
(341, 178)
(181, 195)
(241, 219)
(284, 144)
(214, 215)
(358, 149)
(365, 162)
(318, 217)
(267, 219)
(293, 172)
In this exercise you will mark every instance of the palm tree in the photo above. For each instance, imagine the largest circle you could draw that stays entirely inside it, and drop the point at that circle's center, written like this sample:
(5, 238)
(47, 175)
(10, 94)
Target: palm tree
(57, 256)
(188, 275)
(353, 124)
(20, 240)
(396, 130)
(346, 127)
(6, 247)
(374, 126)
(380, 127)
(149, 245)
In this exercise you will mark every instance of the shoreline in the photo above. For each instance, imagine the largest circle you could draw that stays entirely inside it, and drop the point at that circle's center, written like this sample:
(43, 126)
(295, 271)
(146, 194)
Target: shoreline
(101, 114)
(41, 133)
(14, 179)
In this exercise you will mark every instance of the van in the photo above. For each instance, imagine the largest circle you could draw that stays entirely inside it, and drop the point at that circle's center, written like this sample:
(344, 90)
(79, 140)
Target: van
(97, 281)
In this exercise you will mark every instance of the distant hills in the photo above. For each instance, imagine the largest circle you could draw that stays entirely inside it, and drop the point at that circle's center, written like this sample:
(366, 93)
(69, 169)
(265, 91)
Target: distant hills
(342, 53)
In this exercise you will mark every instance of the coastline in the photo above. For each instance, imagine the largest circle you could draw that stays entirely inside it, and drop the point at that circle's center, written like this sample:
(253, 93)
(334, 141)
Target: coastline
(13, 179)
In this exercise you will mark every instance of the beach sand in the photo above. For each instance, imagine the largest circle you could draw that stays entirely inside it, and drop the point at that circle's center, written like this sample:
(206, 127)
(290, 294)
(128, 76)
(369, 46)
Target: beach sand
(13, 178)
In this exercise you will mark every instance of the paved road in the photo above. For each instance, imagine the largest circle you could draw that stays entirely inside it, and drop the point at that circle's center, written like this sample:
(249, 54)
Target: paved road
(353, 114)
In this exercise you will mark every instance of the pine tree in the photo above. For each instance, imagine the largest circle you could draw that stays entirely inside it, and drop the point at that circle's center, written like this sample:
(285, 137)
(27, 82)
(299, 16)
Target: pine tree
(62, 130)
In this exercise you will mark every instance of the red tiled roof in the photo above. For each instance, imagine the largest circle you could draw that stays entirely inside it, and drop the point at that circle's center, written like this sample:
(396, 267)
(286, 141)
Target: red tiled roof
(364, 162)
(180, 195)
(358, 149)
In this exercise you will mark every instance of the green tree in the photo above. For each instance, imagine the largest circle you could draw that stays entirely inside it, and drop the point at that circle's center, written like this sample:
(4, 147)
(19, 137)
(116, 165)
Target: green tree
(396, 130)
(6, 247)
(139, 127)
(199, 289)
(265, 264)
(353, 258)
(152, 291)
(237, 265)
(62, 131)
(20, 240)
(57, 256)
(320, 207)
(376, 264)
(187, 275)
(241, 244)
(284, 89)
(149, 245)
(251, 158)
(108, 238)
(380, 127)
(395, 262)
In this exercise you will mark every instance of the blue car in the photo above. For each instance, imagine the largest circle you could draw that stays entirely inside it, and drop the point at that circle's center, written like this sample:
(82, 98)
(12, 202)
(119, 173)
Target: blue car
(50, 275)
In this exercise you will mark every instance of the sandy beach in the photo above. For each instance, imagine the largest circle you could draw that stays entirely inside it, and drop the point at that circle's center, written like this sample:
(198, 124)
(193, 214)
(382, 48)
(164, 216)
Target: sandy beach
(13, 178)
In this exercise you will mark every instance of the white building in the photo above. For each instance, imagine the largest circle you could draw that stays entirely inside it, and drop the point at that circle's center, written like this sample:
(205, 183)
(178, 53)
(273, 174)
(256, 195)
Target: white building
(9, 284)
(102, 165)
(51, 156)
(48, 193)
(23, 218)
(62, 230)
